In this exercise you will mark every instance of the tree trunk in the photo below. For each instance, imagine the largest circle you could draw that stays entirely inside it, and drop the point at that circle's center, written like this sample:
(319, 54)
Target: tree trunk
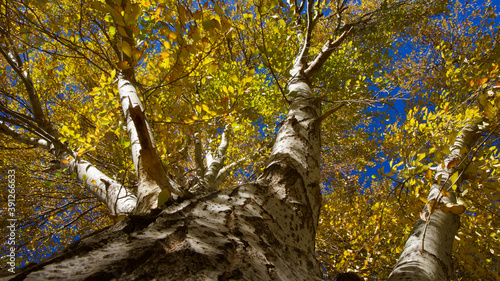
(258, 231)
(433, 260)
(152, 176)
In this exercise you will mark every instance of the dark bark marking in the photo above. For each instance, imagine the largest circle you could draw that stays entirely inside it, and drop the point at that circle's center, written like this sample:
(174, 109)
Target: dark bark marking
(439, 261)
(174, 240)
(233, 275)
(138, 118)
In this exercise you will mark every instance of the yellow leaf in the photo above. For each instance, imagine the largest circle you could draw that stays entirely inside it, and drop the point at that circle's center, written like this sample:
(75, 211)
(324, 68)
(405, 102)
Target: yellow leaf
(94, 182)
(65, 161)
(454, 177)
(127, 49)
(218, 10)
(481, 81)
(123, 65)
(136, 54)
(452, 163)
(158, 13)
(122, 31)
(112, 74)
(145, 3)
(428, 174)
(172, 35)
(212, 68)
(112, 31)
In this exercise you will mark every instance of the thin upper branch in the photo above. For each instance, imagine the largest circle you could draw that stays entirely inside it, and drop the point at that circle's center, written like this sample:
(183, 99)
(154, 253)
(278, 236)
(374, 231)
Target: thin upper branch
(5, 129)
(36, 106)
(301, 58)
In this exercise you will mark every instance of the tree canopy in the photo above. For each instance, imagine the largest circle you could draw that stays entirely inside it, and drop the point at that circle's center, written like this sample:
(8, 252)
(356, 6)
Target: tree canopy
(112, 108)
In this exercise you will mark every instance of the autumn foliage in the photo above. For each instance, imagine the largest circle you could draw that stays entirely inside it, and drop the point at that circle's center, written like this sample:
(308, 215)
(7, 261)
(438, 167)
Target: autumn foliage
(402, 83)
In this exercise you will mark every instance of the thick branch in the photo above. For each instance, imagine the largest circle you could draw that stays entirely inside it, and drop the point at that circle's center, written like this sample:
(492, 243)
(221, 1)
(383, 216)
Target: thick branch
(300, 61)
(198, 156)
(119, 200)
(150, 171)
(24, 122)
(325, 53)
(209, 179)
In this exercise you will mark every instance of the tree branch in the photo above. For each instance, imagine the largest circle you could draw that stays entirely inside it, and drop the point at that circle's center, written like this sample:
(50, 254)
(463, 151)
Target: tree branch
(330, 112)
(300, 61)
(150, 172)
(118, 199)
(23, 139)
(325, 53)
(36, 106)
(198, 156)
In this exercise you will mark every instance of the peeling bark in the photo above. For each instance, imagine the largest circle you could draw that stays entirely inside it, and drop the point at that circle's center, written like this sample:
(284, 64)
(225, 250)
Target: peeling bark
(435, 261)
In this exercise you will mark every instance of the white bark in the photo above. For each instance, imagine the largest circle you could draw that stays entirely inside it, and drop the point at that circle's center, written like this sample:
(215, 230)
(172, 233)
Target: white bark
(258, 231)
(119, 199)
(215, 164)
(208, 180)
(298, 144)
(435, 261)
(242, 233)
(129, 99)
(23, 139)
(150, 172)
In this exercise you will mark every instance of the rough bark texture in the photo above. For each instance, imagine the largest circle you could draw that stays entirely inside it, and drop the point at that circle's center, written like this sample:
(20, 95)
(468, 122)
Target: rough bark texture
(435, 262)
(259, 231)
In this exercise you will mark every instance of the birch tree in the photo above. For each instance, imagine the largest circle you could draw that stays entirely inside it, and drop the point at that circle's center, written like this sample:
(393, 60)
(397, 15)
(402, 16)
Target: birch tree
(472, 111)
(444, 90)
(166, 84)
(428, 251)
